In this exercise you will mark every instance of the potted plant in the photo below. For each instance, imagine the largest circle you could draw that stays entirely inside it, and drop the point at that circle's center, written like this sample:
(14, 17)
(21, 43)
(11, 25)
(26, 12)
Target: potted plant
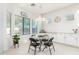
(16, 39)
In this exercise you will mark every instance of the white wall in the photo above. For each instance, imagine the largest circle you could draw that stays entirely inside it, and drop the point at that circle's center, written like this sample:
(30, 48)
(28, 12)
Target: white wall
(3, 17)
(63, 25)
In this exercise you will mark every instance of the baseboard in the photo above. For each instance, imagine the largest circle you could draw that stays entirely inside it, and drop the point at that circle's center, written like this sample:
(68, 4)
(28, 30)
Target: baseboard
(66, 44)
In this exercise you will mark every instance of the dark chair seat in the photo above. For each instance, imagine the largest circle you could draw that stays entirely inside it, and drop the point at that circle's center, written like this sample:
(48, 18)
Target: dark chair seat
(44, 40)
(48, 44)
(35, 44)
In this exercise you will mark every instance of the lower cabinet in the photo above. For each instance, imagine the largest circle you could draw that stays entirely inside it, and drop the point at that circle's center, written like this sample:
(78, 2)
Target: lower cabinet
(60, 38)
(68, 39)
(71, 40)
(77, 41)
(55, 37)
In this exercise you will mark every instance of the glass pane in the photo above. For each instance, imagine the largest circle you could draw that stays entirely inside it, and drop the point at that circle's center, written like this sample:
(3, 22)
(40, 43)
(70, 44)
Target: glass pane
(9, 23)
(18, 25)
(26, 25)
(34, 27)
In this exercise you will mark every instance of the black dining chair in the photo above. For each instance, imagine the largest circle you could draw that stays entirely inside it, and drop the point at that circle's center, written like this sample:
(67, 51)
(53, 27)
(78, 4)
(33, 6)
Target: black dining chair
(34, 43)
(49, 44)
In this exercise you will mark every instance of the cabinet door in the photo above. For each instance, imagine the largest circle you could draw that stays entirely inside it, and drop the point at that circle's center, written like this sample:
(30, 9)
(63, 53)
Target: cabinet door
(1, 45)
(70, 39)
(59, 38)
(77, 42)
(77, 39)
(55, 39)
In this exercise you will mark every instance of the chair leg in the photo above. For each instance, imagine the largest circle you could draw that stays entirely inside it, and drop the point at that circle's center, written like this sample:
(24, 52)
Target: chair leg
(29, 49)
(50, 51)
(53, 47)
(35, 51)
(40, 47)
(44, 48)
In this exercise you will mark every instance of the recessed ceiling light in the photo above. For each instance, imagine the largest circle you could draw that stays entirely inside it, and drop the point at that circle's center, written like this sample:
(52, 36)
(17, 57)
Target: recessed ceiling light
(33, 4)
(36, 5)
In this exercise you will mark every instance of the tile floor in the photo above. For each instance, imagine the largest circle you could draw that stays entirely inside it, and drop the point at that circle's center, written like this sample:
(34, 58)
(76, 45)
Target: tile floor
(60, 50)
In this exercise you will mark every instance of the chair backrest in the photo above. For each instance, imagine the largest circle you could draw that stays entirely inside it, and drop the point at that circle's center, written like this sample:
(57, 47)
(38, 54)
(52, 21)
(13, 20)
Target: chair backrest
(51, 39)
(32, 40)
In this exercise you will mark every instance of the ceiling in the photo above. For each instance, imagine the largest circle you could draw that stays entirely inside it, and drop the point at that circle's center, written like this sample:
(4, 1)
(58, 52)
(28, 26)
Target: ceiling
(41, 8)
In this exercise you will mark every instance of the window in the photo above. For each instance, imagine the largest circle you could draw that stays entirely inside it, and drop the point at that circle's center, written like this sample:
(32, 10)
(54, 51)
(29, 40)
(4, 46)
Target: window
(26, 26)
(18, 25)
(22, 25)
(9, 23)
(34, 27)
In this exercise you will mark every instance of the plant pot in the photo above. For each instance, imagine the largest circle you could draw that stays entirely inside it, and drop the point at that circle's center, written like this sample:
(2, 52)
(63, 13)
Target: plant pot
(15, 44)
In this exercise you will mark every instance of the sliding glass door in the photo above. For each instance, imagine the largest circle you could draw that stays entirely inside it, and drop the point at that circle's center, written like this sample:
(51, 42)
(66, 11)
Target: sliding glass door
(18, 25)
(22, 25)
(26, 26)
(34, 27)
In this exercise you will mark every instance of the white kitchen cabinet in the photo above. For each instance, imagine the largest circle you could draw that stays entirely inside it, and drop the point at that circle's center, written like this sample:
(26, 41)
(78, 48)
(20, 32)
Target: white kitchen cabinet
(1, 46)
(77, 42)
(70, 40)
(67, 38)
(55, 38)
(60, 38)
(77, 39)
